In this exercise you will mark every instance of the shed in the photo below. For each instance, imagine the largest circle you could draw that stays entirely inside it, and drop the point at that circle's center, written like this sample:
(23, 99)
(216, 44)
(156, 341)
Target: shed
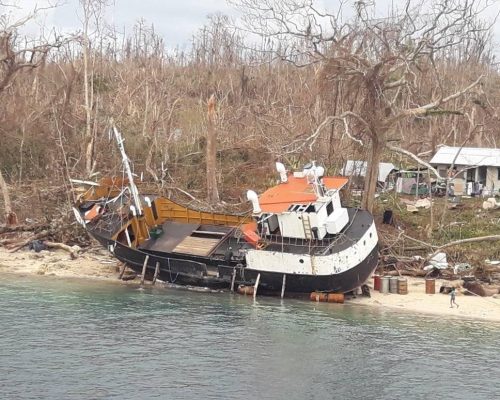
(358, 169)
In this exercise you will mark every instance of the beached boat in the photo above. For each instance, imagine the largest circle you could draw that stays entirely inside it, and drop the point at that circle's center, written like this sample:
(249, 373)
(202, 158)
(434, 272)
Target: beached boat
(298, 239)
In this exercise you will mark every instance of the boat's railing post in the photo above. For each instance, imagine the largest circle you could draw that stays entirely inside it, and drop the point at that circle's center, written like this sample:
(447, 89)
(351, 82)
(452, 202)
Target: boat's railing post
(283, 286)
(256, 286)
(157, 270)
(144, 269)
(233, 277)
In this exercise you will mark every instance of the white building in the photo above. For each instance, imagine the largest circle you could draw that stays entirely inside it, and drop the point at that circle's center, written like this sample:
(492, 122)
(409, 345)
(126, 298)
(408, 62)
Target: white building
(354, 168)
(476, 170)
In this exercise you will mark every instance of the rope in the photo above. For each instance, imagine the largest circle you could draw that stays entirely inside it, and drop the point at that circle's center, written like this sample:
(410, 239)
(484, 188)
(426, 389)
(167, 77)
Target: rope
(490, 301)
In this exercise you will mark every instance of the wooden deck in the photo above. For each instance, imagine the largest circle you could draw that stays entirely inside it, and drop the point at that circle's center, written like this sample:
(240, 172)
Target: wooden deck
(173, 234)
(197, 246)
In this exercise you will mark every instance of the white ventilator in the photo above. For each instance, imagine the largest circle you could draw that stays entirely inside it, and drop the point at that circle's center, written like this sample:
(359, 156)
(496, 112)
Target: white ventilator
(252, 197)
(282, 171)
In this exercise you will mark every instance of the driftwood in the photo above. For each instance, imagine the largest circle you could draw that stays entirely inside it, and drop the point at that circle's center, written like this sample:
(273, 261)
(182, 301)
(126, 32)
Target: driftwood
(27, 241)
(480, 289)
(129, 277)
(9, 241)
(22, 228)
(73, 251)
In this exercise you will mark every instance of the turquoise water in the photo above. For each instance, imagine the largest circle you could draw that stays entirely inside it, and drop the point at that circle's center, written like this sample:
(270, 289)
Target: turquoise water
(67, 339)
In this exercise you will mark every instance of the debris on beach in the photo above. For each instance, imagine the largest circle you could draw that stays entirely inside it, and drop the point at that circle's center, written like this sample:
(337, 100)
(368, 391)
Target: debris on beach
(491, 204)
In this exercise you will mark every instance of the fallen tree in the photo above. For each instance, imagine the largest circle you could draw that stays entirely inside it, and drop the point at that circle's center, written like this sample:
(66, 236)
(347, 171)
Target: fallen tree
(437, 249)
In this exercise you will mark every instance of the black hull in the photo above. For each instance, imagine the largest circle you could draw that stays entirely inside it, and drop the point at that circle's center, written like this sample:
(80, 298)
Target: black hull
(196, 271)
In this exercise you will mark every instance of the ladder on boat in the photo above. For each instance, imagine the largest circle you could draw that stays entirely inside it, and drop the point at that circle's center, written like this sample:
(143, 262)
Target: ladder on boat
(306, 223)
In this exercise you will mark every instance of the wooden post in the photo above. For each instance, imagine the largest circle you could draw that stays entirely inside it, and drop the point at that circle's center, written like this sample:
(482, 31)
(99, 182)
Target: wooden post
(157, 270)
(283, 286)
(233, 279)
(144, 269)
(122, 271)
(256, 286)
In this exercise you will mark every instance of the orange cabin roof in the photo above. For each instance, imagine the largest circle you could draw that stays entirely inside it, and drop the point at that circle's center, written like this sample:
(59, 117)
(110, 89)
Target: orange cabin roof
(296, 191)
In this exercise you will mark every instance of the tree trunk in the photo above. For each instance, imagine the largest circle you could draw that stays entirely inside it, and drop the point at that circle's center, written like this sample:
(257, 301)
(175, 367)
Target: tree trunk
(88, 89)
(10, 216)
(212, 192)
(371, 178)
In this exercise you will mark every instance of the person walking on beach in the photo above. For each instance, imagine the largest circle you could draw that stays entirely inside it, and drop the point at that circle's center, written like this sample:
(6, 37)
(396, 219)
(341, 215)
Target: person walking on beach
(452, 298)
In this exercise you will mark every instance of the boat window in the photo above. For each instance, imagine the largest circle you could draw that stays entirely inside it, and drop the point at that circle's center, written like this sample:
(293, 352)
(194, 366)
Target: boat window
(329, 208)
(297, 207)
(310, 209)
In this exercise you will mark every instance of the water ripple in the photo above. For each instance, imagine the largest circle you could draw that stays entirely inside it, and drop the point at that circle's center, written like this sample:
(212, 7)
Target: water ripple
(79, 340)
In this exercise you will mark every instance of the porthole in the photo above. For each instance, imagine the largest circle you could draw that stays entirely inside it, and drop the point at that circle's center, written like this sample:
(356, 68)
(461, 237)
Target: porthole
(370, 234)
(364, 242)
(301, 261)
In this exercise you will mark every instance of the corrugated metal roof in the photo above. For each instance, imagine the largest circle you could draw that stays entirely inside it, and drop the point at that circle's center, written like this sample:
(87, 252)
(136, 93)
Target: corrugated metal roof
(358, 168)
(469, 156)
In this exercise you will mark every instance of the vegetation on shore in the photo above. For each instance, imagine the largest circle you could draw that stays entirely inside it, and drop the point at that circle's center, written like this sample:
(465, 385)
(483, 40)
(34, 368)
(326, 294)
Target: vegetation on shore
(362, 89)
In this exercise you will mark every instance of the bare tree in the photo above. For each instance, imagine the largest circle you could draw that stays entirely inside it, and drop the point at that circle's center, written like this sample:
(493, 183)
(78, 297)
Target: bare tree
(16, 55)
(93, 11)
(212, 192)
(378, 63)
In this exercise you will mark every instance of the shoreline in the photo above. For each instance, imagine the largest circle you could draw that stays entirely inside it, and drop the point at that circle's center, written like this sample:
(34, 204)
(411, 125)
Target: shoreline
(93, 265)
(438, 304)
(98, 265)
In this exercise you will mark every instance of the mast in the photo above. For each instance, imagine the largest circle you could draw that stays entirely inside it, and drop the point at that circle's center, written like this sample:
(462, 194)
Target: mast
(126, 164)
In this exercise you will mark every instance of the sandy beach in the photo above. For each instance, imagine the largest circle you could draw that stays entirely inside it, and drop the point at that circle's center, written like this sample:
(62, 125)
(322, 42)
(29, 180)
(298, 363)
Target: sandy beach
(97, 264)
(470, 306)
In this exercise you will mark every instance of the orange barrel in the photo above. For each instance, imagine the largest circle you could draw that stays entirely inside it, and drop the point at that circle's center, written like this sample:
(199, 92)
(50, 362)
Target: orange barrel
(376, 282)
(384, 286)
(318, 296)
(336, 298)
(246, 290)
(393, 284)
(430, 286)
(403, 286)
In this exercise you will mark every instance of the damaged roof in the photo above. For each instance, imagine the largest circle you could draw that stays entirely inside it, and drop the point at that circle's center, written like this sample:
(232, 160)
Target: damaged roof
(358, 168)
(296, 191)
(469, 156)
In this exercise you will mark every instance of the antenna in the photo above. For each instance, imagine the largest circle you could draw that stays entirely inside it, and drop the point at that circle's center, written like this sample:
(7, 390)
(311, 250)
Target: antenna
(126, 164)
